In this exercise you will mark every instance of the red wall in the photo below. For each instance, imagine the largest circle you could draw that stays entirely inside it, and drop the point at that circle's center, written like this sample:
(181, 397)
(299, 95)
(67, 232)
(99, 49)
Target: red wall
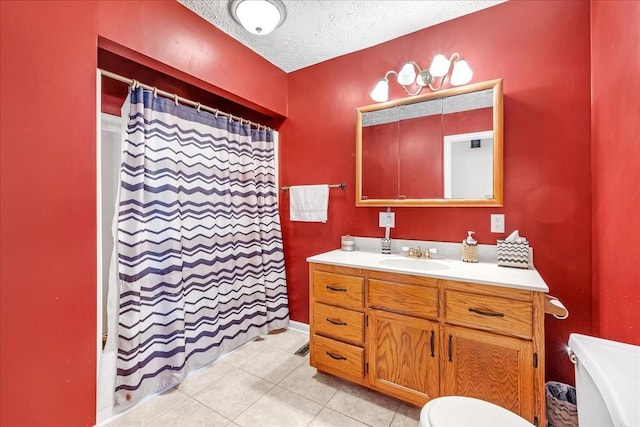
(541, 50)
(420, 139)
(616, 169)
(48, 52)
(380, 161)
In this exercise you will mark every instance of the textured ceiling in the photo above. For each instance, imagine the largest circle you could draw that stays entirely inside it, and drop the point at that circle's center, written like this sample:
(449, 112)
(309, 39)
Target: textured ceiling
(317, 30)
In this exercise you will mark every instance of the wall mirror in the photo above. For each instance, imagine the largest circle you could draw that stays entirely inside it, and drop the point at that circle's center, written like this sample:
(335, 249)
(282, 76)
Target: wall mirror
(442, 148)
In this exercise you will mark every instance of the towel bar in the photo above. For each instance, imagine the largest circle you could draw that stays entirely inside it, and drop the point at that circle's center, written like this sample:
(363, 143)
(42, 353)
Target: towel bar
(341, 186)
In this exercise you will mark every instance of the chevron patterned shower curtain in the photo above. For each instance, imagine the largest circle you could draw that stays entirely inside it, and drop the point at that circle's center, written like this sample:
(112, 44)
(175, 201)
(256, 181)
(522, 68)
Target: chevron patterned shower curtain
(200, 259)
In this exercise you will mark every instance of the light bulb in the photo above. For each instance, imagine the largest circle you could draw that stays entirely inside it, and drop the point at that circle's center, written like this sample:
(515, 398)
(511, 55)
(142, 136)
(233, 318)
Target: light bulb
(461, 73)
(380, 93)
(439, 66)
(407, 75)
(258, 16)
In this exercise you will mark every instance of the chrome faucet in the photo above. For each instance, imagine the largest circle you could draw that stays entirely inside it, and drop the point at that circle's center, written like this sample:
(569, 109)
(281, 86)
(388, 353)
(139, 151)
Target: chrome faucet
(419, 253)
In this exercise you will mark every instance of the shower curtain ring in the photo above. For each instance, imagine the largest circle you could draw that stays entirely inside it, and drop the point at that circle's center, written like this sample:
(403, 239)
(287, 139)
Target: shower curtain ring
(155, 92)
(175, 98)
(134, 84)
(198, 107)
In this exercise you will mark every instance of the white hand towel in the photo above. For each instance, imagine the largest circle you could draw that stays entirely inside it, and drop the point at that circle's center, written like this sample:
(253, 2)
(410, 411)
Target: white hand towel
(308, 203)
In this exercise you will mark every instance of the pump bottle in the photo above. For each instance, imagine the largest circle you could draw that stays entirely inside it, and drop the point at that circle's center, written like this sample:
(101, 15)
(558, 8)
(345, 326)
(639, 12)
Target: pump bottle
(470, 248)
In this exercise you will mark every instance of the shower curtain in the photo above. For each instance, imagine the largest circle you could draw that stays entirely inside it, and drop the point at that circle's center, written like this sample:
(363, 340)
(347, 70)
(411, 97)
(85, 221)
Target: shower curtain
(200, 260)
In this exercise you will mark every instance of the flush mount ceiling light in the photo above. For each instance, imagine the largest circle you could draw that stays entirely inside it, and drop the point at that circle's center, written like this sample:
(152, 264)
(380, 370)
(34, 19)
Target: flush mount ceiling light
(413, 79)
(259, 17)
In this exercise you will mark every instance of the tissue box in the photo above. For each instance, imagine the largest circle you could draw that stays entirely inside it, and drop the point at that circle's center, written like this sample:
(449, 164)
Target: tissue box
(513, 254)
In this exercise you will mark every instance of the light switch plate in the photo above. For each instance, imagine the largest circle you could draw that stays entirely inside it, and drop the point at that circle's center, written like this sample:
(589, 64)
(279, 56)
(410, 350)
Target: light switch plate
(387, 219)
(497, 223)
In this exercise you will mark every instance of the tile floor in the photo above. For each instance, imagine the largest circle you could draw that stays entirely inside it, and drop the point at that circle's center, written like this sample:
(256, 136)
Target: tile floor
(264, 384)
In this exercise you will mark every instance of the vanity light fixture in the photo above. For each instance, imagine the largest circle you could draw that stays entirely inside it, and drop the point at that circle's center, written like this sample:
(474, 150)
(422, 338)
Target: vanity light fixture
(259, 17)
(411, 75)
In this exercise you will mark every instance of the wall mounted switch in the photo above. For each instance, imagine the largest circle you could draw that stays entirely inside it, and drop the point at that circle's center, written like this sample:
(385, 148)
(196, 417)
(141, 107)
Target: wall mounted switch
(387, 219)
(497, 223)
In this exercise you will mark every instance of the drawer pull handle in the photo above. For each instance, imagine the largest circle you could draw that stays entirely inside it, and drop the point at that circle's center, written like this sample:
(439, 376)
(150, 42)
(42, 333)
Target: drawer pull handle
(333, 288)
(485, 313)
(433, 344)
(336, 357)
(336, 322)
(450, 348)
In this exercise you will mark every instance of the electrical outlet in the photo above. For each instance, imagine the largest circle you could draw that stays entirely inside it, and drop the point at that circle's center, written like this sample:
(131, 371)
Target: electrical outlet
(497, 223)
(387, 219)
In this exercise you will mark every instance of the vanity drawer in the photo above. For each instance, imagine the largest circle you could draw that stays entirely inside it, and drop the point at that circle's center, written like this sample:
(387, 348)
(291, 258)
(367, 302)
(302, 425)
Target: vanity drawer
(339, 323)
(337, 358)
(489, 313)
(338, 289)
(414, 300)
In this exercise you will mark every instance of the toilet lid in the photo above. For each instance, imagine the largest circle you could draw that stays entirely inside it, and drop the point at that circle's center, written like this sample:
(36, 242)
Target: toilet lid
(458, 411)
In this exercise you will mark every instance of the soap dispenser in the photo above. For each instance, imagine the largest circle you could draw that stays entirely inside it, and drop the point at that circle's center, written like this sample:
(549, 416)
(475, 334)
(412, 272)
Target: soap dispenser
(470, 248)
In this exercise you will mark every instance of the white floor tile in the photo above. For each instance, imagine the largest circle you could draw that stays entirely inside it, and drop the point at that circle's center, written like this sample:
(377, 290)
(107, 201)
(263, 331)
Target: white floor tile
(233, 393)
(330, 418)
(289, 341)
(406, 416)
(367, 406)
(190, 413)
(204, 377)
(147, 411)
(308, 382)
(239, 390)
(279, 408)
(272, 364)
(244, 353)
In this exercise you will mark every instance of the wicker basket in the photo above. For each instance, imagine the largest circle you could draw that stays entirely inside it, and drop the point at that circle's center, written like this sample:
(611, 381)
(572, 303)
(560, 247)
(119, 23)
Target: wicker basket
(561, 405)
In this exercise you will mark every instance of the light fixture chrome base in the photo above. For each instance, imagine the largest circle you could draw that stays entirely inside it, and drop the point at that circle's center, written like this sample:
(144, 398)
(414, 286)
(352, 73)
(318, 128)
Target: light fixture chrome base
(233, 6)
(424, 78)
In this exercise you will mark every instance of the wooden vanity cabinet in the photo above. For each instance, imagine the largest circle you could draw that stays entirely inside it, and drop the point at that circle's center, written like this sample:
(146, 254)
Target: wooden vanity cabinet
(490, 367)
(493, 347)
(337, 321)
(403, 336)
(416, 338)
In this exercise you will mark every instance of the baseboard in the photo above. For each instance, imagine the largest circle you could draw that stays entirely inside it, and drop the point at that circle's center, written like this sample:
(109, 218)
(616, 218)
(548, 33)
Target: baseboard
(299, 327)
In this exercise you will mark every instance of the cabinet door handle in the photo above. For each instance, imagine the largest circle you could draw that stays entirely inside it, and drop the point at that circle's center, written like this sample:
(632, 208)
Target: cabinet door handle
(485, 313)
(336, 356)
(333, 288)
(450, 348)
(336, 322)
(433, 344)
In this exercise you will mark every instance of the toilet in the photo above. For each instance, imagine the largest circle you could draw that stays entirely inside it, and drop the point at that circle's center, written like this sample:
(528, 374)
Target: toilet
(607, 388)
(607, 381)
(459, 411)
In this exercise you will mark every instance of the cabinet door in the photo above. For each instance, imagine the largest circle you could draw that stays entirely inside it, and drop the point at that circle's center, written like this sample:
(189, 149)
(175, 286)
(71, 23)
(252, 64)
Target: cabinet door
(403, 356)
(490, 367)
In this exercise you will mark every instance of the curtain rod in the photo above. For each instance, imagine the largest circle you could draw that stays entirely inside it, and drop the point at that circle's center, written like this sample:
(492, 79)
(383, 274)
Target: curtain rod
(176, 98)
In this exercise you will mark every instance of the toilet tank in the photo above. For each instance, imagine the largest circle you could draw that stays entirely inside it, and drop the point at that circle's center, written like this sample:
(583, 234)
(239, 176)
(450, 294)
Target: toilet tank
(607, 381)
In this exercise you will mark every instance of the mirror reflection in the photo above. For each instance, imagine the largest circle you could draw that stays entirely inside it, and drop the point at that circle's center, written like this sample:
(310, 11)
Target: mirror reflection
(437, 149)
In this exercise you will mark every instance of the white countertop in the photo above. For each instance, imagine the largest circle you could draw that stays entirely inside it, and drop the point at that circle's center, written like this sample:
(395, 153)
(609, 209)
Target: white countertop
(488, 273)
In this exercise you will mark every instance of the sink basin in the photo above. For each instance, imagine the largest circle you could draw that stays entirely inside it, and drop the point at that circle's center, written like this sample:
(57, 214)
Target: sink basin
(413, 264)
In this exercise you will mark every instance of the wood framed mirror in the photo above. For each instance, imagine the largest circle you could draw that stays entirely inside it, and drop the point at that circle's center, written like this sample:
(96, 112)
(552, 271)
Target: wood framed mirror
(442, 148)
